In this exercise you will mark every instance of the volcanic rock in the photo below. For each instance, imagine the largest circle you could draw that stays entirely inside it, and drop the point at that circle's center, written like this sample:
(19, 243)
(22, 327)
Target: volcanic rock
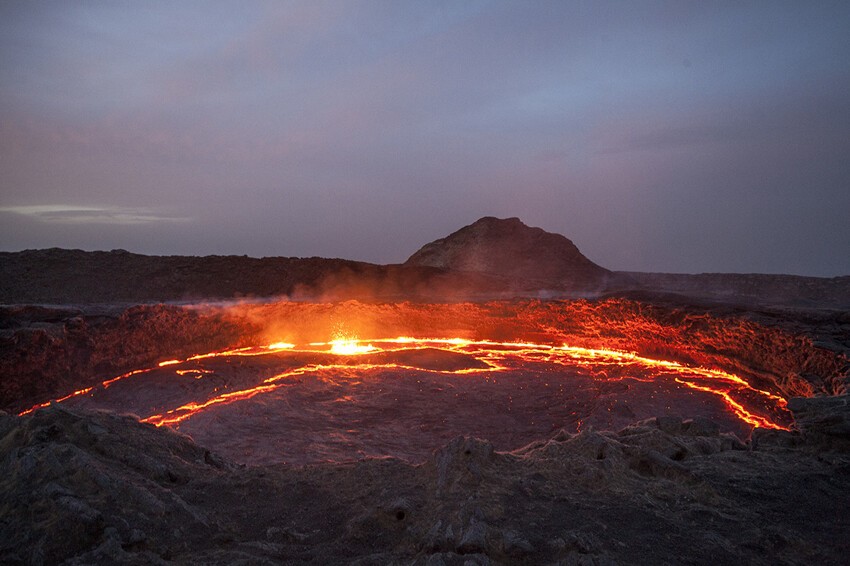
(509, 248)
(752, 288)
(823, 419)
(96, 488)
(76, 276)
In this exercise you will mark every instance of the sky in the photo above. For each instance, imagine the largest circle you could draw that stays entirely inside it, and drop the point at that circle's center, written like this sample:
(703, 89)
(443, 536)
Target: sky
(687, 137)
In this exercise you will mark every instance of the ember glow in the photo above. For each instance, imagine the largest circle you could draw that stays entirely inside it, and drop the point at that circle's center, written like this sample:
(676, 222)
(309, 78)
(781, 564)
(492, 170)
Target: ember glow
(349, 359)
(349, 347)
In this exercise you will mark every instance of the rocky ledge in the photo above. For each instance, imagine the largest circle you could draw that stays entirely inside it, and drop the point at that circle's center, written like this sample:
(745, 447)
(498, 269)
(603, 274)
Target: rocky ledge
(98, 488)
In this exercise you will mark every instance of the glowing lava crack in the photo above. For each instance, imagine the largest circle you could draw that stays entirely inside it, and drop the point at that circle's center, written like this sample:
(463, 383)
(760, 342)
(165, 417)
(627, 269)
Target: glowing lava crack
(403, 396)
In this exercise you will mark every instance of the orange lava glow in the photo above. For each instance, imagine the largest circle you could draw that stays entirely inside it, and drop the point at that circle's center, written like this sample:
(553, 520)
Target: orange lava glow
(59, 400)
(349, 347)
(490, 358)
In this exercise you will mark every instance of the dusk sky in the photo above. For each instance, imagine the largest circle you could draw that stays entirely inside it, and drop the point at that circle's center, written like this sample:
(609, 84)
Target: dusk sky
(658, 136)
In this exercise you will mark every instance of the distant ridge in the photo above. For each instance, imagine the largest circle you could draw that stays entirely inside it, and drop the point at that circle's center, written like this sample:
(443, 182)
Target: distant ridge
(490, 258)
(507, 247)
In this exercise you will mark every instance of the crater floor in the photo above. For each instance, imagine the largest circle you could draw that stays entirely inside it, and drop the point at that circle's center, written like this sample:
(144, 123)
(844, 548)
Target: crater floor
(403, 398)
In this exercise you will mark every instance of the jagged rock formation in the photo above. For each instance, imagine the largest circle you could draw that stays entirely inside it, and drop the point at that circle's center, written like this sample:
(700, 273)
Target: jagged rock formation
(96, 488)
(509, 248)
(825, 420)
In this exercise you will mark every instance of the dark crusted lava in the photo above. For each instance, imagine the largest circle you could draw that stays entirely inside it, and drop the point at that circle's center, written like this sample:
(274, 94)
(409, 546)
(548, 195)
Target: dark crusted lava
(97, 488)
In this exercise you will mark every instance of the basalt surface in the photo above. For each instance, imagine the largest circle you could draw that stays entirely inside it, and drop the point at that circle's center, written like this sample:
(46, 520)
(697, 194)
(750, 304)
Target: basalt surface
(99, 488)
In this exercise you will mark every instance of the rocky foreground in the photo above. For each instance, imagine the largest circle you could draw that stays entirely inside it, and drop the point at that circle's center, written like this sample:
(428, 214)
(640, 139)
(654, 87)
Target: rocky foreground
(98, 488)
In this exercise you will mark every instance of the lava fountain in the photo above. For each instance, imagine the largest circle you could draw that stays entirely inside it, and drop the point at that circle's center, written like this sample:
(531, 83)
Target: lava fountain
(349, 398)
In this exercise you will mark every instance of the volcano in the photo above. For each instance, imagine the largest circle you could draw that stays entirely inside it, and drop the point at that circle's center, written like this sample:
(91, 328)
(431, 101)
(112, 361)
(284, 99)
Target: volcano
(358, 413)
(508, 248)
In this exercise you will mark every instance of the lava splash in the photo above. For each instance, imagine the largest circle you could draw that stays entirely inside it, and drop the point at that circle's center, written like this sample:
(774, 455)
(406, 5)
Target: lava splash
(349, 398)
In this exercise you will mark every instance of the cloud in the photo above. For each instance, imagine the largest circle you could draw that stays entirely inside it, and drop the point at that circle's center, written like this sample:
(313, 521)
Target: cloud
(71, 214)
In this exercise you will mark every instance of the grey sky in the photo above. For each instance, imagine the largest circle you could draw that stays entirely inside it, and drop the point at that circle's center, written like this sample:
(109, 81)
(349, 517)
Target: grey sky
(658, 136)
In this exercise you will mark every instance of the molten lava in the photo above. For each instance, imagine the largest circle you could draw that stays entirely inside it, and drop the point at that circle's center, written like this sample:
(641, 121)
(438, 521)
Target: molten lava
(489, 359)
(347, 347)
